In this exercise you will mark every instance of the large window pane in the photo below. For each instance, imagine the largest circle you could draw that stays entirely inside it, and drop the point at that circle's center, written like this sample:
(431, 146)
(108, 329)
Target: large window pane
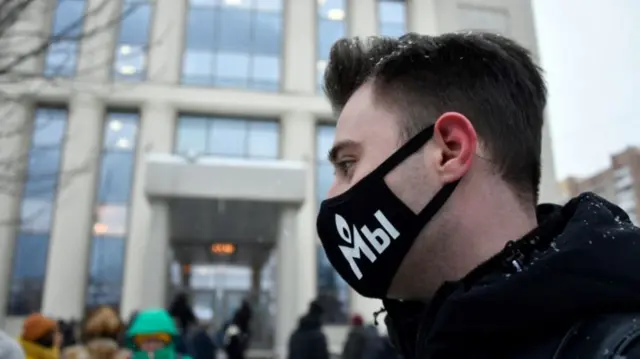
(131, 49)
(233, 69)
(116, 177)
(68, 18)
(228, 137)
(324, 141)
(111, 220)
(391, 12)
(234, 33)
(134, 25)
(120, 132)
(61, 59)
(28, 274)
(201, 28)
(263, 140)
(192, 135)
(230, 44)
(49, 127)
(112, 208)
(105, 272)
(36, 212)
(329, 32)
(36, 215)
(267, 33)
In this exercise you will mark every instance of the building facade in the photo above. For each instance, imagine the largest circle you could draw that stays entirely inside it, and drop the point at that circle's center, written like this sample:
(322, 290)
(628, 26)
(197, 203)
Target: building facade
(619, 183)
(182, 113)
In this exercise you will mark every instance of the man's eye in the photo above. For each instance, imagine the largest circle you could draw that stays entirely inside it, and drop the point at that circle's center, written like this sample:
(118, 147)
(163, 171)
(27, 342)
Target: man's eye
(343, 167)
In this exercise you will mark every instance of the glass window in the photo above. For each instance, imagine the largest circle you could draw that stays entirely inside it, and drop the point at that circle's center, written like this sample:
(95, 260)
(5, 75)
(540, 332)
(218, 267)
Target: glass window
(484, 19)
(111, 220)
(331, 27)
(392, 16)
(67, 30)
(36, 212)
(235, 45)
(192, 135)
(111, 213)
(121, 132)
(133, 40)
(333, 292)
(228, 137)
(115, 177)
(105, 272)
(36, 215)
(28, 275)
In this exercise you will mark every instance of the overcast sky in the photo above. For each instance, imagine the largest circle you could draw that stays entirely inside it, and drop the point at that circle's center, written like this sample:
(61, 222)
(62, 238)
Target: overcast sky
(590, 50)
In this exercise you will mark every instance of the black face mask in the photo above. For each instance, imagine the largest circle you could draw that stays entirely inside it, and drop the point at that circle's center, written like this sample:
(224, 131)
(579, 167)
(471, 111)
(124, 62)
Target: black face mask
(367, 231)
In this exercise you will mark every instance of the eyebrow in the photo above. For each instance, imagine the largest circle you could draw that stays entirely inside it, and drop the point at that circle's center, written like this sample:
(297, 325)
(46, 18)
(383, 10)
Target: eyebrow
(332, 156)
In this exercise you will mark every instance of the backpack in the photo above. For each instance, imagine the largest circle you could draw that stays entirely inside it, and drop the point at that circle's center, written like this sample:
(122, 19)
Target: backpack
(613, 336)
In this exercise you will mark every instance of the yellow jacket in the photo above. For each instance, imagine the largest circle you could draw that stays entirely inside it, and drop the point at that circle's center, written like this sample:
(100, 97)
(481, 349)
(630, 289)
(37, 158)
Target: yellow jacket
(35, 351)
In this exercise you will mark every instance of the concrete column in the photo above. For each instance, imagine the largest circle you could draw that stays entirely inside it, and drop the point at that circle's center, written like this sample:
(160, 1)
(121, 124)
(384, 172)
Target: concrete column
(66, 279)
(256, 284)
(156, 256)
(362, 18)
(167, 37)
(289, 305)
(95, 62)
(14, 145)
(35, 19)
(297, 129)
(156, 136)
(423, 17)
(299, 49)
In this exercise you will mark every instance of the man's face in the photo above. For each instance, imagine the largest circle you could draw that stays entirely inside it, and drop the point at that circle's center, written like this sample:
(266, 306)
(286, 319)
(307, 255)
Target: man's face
(366, 135)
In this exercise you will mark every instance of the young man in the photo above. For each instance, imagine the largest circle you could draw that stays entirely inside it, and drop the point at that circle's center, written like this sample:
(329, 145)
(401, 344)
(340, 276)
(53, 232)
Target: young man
(433, 207)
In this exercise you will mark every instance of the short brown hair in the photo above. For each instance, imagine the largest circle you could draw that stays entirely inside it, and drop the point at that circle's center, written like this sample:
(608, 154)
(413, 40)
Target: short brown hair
(489, 78)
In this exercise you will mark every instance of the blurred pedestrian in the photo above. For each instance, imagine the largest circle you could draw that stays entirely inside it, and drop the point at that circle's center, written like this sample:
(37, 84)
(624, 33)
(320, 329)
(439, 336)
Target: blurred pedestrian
(40, 338)
(357, 339)
(100, 335)
(308, 341)
(152, 336)
(180, 309)
(237, 334)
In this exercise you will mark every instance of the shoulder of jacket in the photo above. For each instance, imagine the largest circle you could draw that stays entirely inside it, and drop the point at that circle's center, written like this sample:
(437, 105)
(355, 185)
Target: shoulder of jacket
(607, 336)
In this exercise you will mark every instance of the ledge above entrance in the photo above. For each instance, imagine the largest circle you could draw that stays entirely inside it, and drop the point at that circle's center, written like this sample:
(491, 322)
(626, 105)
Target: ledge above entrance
(223, 178)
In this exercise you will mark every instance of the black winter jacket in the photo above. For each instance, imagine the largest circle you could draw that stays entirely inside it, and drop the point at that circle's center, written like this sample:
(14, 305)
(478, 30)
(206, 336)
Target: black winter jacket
(308, 341)
(581, 264)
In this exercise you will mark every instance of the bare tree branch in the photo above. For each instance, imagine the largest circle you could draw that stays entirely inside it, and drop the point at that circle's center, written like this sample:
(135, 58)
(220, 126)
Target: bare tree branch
(20, 82)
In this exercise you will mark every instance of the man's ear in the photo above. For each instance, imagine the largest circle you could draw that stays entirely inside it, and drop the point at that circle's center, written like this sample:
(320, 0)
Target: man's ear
(457, 140)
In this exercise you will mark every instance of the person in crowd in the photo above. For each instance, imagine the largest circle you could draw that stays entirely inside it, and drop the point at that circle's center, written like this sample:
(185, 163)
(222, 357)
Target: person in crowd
(100, 333)
(357, 339)
(202, 343)
(152, 336)
(181, 309)
(308, 341)
(68, 332)
(9, 348)
(237, 333)
(433, 208)
(40, 338)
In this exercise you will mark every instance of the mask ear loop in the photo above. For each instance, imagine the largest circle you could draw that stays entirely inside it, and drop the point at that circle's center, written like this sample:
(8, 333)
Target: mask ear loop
(376, 314)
